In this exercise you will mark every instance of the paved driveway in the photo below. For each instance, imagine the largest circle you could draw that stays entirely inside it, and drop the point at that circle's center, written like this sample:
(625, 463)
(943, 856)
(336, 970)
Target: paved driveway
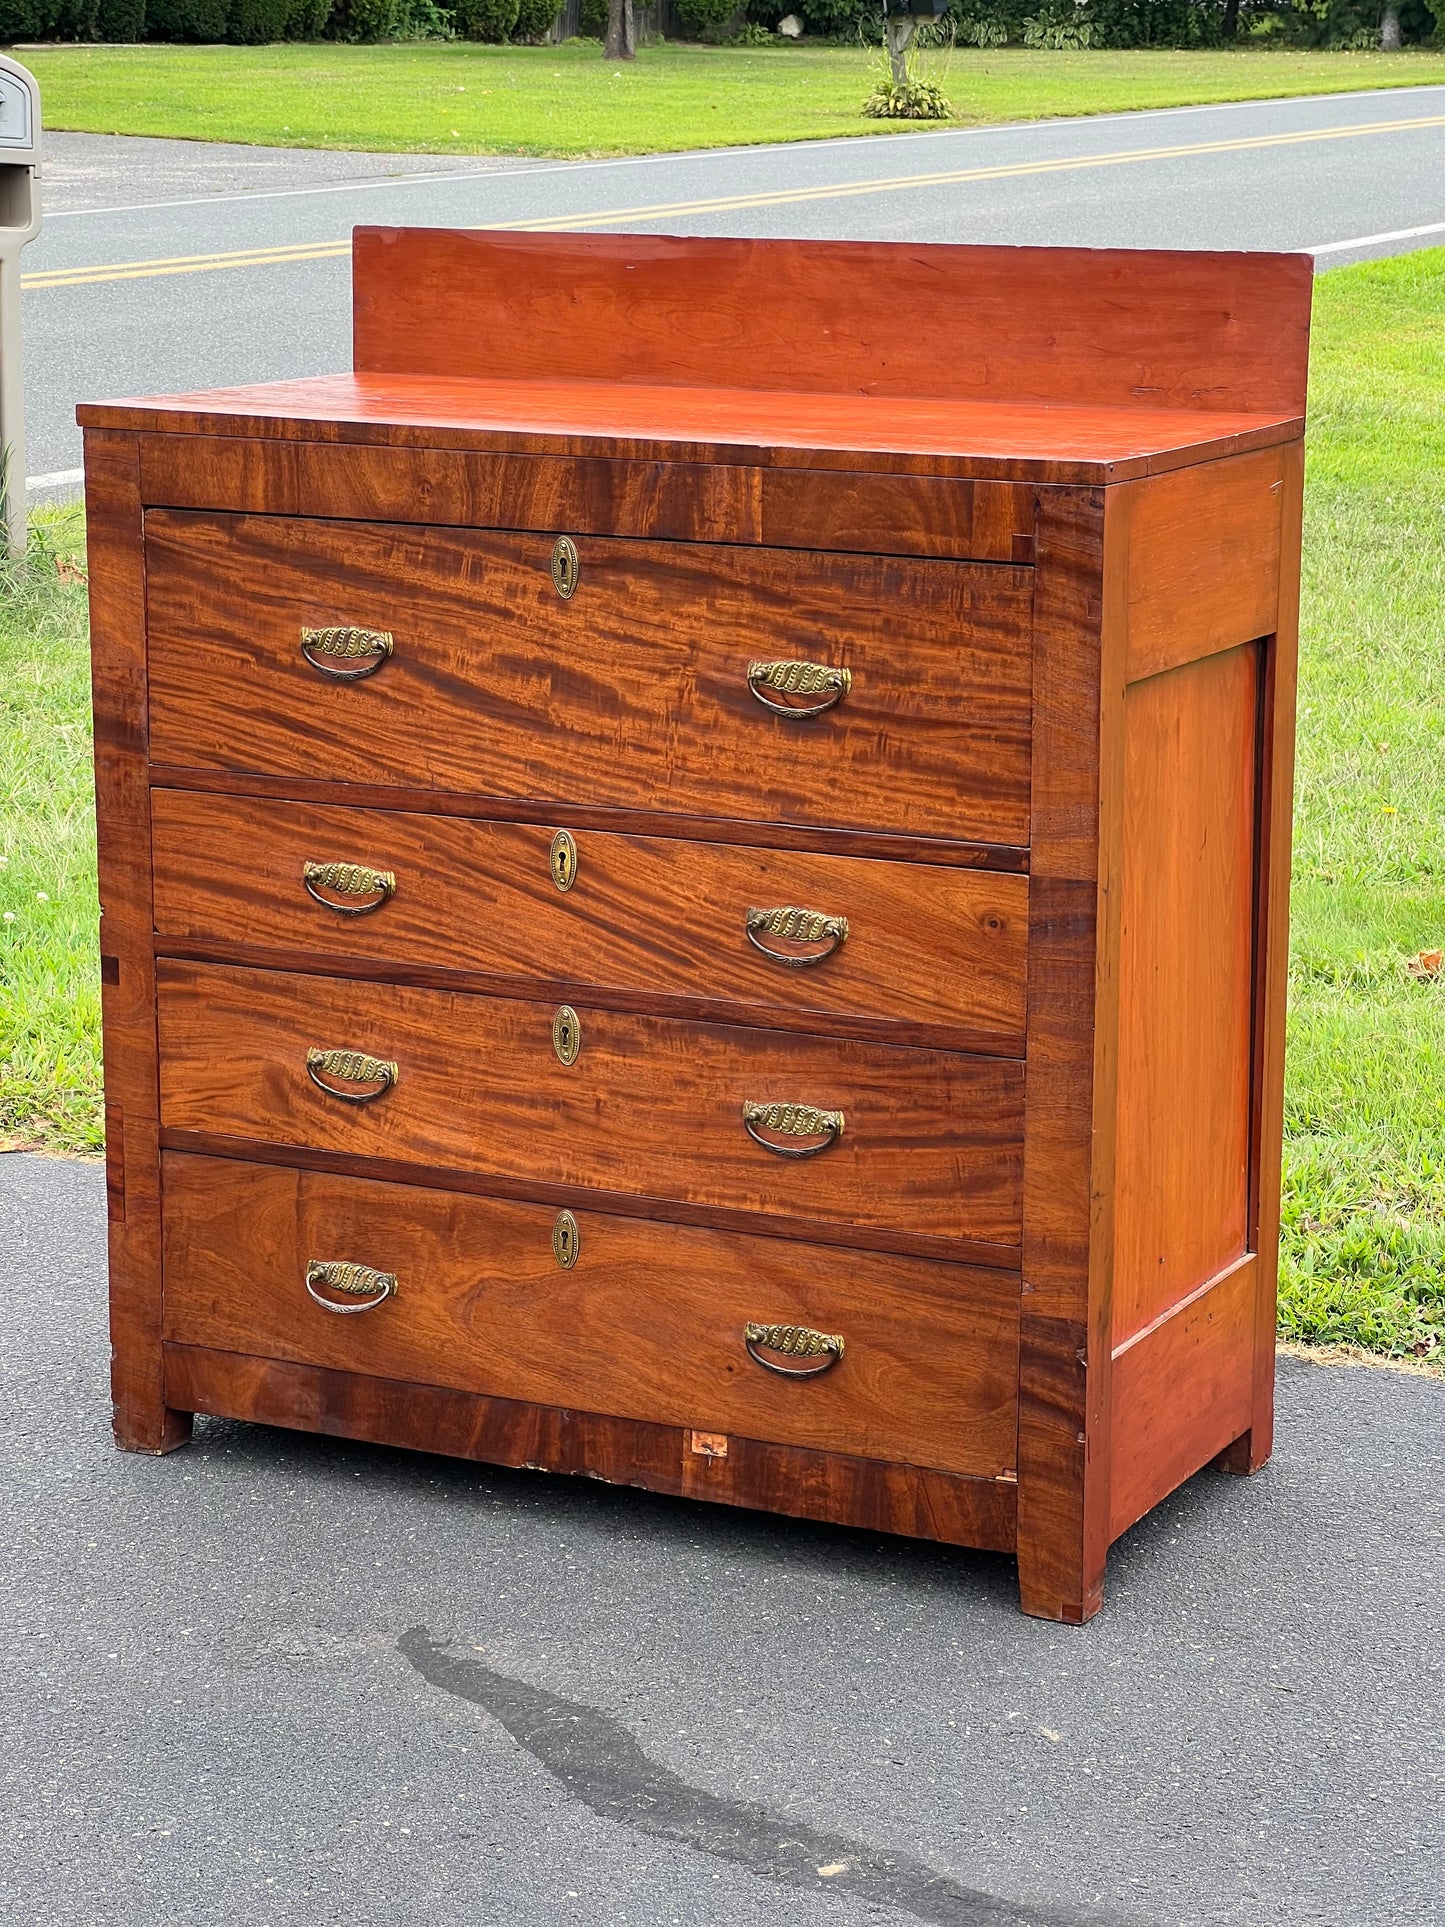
(281, 1680)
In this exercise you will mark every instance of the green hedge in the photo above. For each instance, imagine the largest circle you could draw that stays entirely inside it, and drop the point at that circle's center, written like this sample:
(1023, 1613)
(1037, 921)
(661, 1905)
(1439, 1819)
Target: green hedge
(983, 23)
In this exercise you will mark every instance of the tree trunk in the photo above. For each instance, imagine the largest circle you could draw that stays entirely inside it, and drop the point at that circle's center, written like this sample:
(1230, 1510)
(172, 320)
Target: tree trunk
(621, 41)
(898, 33)
(1231, 19)
(1390, 41)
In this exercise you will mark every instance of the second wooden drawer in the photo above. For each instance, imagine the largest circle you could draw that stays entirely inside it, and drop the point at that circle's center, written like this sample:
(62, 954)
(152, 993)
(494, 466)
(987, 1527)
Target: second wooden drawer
(929, 1144)
(940, 949)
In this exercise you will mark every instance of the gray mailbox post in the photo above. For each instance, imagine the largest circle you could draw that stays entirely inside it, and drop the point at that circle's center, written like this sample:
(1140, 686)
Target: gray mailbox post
(19, 223)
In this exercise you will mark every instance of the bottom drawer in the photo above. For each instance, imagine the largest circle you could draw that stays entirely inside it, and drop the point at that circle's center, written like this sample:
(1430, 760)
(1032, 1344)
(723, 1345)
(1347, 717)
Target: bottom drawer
(648, 1322)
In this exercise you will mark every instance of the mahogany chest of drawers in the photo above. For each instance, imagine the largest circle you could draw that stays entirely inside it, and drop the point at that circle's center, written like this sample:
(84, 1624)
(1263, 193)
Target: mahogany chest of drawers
(693, 866)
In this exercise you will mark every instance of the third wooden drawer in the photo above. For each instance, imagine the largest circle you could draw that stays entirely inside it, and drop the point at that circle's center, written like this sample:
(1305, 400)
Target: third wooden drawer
(937, 949)
(913, 1143)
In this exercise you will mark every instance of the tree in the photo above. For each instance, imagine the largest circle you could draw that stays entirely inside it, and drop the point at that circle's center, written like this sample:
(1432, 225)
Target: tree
(1390, 38)
(621, 41)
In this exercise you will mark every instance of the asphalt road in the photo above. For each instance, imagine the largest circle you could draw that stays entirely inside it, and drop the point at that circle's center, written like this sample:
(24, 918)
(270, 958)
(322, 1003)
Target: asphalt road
(292, 1682)
(124, 295)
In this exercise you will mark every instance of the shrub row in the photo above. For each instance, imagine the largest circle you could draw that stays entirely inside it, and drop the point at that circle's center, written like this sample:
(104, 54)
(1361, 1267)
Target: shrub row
(983, 23)
(252, 22)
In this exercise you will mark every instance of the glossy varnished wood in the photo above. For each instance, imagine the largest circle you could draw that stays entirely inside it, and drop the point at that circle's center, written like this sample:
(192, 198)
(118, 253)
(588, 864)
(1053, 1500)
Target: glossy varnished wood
(1183, 1389)
(808, 1484)
(632, 693)
(997, 442)
(1276, 820)
(651, 1107)
(746, 832)
(1186, 1004)
(663, 500)
(662, 921)
(1204, 564)
(648, 1322)
(1061, 559)
(143, 1421)
(1064, 1340)
(1115, 327)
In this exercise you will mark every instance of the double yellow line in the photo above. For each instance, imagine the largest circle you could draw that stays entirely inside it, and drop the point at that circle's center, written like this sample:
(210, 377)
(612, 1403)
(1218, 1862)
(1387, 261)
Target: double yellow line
(726, 204)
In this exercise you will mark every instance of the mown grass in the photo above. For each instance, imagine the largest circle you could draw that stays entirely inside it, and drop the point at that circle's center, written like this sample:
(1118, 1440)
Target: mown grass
(49, 982)
(1364, 1193)
(1364, 1190)
(462, 98)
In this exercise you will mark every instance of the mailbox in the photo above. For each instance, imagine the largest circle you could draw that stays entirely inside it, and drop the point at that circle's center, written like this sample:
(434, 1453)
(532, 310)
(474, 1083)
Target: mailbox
(19, 224)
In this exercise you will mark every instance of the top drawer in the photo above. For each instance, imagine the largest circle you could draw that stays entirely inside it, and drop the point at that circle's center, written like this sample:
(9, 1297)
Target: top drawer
(631, 693)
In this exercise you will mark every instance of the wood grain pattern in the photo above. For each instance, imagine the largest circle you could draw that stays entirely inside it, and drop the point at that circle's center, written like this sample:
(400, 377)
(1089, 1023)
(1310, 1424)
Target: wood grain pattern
(663, 919)
(749, 833)
(1182, 1390)
(672, 500)
(572, 1197)
(895, 514)
(1186, 983)
(868, 1493)
(1204, 560)
(647, 1324)
(1277, 730)
(930, 1146)
(1121, 327)
(633, 693)
(143, 1421)
(993, 441)
(1064, 1336)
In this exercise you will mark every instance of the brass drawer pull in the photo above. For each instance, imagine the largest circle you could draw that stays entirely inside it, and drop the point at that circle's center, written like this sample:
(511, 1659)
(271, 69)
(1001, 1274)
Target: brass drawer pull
(356, 1281)
(799, 679)
(796, 926)
(348, 880)
(792, 1341)
(352, 1067)
(792, 1121)
(346, 655)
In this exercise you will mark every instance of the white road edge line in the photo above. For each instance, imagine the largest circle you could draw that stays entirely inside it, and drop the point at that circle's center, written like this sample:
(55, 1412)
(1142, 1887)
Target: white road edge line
(462, 173)
(62, 478)
(1376, 240)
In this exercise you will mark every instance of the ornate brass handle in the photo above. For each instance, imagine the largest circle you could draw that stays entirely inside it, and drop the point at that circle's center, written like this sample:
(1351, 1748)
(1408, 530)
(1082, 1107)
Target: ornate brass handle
(792, 1121)
(799, 679)
(353, 1067)
(796, 926)
(346, 655)
(792, 1341)
(356, 1281)
(349, 880)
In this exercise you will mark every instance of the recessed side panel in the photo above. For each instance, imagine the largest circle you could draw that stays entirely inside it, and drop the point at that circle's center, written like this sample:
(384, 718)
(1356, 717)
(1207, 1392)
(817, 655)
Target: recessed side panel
(1186, 988)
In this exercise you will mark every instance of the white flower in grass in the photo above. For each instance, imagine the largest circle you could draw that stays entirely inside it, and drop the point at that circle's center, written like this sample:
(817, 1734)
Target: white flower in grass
(42, 896)
(10, 916)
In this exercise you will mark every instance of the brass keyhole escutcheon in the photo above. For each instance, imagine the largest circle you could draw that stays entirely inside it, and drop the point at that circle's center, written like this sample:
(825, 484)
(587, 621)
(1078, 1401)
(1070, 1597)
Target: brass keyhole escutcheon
(563, 861)
(566, 1240)
(567, 1034)
(565, 567)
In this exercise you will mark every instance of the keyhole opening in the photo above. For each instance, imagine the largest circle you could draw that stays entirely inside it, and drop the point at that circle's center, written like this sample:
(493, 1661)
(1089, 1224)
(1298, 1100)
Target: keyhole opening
(566, 1240)
(567, 1034)
(563, 860)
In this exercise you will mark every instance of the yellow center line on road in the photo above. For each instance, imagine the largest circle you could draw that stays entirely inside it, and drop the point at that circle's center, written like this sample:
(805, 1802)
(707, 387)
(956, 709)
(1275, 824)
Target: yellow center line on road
(843, 190)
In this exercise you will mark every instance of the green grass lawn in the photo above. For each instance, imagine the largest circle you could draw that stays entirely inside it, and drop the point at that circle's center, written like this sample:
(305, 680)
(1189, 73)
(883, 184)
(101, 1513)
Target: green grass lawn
(1364, 1237)
(461, 98)
(1364, 1243)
